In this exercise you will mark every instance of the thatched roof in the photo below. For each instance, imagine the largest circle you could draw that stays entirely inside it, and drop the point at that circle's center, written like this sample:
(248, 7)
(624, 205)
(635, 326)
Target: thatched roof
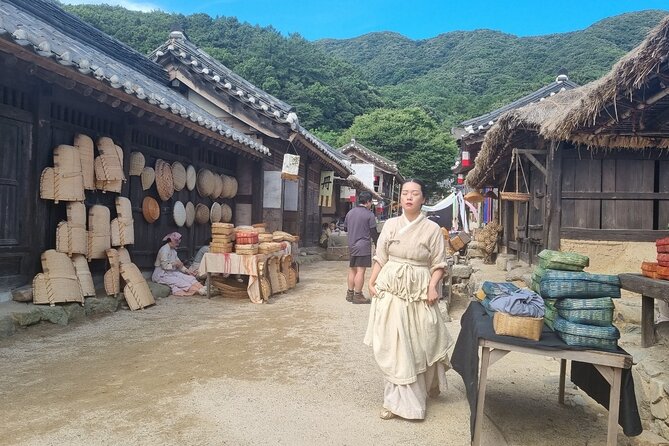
(625, 93)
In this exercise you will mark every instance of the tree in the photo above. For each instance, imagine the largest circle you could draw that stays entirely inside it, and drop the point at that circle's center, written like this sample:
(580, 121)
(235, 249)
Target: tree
(411, 138)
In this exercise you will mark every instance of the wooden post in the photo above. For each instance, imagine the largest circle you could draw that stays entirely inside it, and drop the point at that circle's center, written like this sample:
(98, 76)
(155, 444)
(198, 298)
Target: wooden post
(647, 321)
(480, 400)
(553, 211)
(563, 372)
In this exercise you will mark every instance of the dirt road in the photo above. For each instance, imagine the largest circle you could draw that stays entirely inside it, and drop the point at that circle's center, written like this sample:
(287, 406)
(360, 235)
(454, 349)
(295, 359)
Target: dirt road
(191, 371)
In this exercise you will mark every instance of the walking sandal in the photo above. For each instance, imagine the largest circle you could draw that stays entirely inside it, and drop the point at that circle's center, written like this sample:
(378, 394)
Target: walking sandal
(387, 415)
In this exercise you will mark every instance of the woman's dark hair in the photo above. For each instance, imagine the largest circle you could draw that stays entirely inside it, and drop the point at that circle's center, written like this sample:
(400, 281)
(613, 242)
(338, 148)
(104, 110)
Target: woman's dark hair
(423, 187)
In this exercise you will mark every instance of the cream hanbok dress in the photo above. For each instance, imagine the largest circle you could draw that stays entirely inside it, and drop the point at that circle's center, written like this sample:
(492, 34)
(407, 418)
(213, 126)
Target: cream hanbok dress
(408, 336)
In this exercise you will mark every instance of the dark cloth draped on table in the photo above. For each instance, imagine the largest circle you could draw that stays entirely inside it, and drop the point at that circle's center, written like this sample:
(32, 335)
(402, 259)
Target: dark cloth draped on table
(476, 324)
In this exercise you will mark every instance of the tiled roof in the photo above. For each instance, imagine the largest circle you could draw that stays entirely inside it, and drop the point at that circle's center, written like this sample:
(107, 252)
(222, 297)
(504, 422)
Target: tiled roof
(324, 147)
(373, 156)
(214, 71)
(53, 33)
(482, 123)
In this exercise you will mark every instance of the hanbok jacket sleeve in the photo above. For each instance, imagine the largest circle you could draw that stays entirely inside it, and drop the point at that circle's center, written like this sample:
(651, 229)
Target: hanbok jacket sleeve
(381, 255)
(437, 253)
(166, 259)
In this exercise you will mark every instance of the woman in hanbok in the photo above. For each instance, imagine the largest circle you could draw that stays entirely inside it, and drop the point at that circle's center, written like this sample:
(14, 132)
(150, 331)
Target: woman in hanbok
(406, 329)
(169, 270)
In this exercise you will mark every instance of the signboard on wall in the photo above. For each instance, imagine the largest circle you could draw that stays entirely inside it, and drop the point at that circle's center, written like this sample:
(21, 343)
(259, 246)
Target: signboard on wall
(327, 183)
(271, 197)
(365, 173)
(290, 195)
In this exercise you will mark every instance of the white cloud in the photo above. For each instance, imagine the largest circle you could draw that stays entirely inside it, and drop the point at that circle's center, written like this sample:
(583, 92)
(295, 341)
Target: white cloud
(128, 4)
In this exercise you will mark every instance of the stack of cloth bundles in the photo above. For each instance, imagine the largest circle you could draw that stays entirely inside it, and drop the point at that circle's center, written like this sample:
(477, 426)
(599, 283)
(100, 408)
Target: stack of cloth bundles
(578, 304)
(659, 269)
(515, 311)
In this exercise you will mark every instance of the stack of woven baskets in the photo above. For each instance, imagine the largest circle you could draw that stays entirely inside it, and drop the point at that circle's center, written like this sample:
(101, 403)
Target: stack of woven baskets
(221, 238)
(578, 304)
(246, 242)
(660, 268)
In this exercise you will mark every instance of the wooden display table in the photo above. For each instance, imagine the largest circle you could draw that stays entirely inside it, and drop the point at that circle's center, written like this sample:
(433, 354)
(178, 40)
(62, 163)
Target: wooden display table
(649, 289)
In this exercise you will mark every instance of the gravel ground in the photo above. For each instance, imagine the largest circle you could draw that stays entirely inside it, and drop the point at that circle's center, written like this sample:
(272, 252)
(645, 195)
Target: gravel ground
(191, 371)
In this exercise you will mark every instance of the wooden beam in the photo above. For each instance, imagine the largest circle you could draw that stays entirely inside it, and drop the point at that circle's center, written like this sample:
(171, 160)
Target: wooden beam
(618, 235)
(615, 195)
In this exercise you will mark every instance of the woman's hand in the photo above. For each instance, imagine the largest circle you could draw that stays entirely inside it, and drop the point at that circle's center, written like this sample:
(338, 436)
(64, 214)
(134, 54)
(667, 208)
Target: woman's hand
(178, 264)
(432, 295)
(372, 288)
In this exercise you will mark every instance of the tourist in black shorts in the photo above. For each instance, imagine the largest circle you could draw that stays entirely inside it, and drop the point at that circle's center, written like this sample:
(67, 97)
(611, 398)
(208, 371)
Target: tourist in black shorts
(360, 225)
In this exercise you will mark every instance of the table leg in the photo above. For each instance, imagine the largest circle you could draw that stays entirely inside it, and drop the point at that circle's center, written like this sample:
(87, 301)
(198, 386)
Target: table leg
(647, 321)
(480, 400)
(208, 285)
(614, 407)
(563, 372)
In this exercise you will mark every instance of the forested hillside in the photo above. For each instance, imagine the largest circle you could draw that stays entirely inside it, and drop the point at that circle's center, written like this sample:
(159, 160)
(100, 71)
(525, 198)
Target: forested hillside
(354, 87)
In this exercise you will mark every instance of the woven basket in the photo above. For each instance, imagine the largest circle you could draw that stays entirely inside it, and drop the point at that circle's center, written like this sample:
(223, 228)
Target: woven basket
(514, 196)
(224, 226)
(109, 163)
(85, 147)
(123, 256)
(215, 213)
(164, 182)
(587, 335)
(218, 187)
(230, 287)
(178, 175)
(265, 237)
(71, 239)
(550, 313)
(191, 177)
(226, 213)
(221, 239)
(137, 293)
(223, 232)
(221, 248)
(608, 279)
(68, 177)
(557, 289)
(59, 283)
(123, 207)
(564, 258)
(137, 163)
(76, 213)
(229, 187)
(233, 188)
(148, 176)
(246, 249)
(150, 209)
(662, 242)
(112, 281)
(99, 232)
(190, 214)
(205, 183)
(179, 213)
(83, 274)
(518, 326)
(201, 213)
(122, 232)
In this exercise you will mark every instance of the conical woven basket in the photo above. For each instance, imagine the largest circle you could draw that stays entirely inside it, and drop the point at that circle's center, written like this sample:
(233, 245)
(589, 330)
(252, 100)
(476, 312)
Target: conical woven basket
(137, 163)
(218, 187)
(99, 232)
(190, 214)
(147, 177)
(47, 184)
(60, 282)
(179, 213)
(113, 258)
(201, 213)
(71, 239)
(178, 175)
(164, 182)
(109, 163)
(83, 274)
(122, 232)
(68, 178)
(226, 213)
(123, 256)
(137, 293)
(205, 182)
(123, 207)
(76, 213)
(112, 281)
(215, 213)
(191, 177)
(277, 279)
(84, 145)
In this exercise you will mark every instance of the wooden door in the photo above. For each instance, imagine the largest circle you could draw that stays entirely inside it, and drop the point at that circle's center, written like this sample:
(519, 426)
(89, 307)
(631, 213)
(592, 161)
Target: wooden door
(15, 203)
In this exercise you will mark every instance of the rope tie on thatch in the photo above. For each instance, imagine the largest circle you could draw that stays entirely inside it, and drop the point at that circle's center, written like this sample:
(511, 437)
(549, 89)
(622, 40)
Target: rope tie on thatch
(69, 240)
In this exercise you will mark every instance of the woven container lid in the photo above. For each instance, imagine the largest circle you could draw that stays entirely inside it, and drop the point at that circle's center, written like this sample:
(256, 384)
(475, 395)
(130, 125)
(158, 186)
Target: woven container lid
(123, 207)
(84, 145)
(218, 187)
(226, 213)
(164, 182)
(191, 177)
(148, 176)
(190, 214)
(178, 175)
(201, 213)
(215, 213)
(150, 209)
(137, 163)
(179, 213)
(205, 182)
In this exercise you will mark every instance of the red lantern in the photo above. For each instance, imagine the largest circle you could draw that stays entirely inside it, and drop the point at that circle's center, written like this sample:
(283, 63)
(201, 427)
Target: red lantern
(465, 159)
(461, 178)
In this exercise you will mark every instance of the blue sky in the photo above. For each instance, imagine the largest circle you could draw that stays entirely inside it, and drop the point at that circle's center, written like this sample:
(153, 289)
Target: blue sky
(417, 19)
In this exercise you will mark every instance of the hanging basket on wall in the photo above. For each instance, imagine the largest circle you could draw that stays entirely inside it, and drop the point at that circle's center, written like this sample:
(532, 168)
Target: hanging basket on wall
(516, 195)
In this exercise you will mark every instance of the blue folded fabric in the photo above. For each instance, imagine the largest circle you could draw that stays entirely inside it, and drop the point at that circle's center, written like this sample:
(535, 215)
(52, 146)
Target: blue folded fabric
(521, 302)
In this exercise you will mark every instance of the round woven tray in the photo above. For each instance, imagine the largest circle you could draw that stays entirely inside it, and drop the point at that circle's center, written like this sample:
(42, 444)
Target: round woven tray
(164, 182)
(201, 213)
(178, 175)
(150, 209)
(218, 187)
(137, 163)
(228, 186)
(514, 196)
(215, 213)
(147, 177)
(191, 177)
(179, 213)
(190, 214)
(205, 182)
(226, 213)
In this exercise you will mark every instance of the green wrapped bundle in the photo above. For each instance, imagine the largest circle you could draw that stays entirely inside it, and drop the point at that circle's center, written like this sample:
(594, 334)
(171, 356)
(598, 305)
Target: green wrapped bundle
(587, 311)
(569, 261)
(550, 313)
(605, 338)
